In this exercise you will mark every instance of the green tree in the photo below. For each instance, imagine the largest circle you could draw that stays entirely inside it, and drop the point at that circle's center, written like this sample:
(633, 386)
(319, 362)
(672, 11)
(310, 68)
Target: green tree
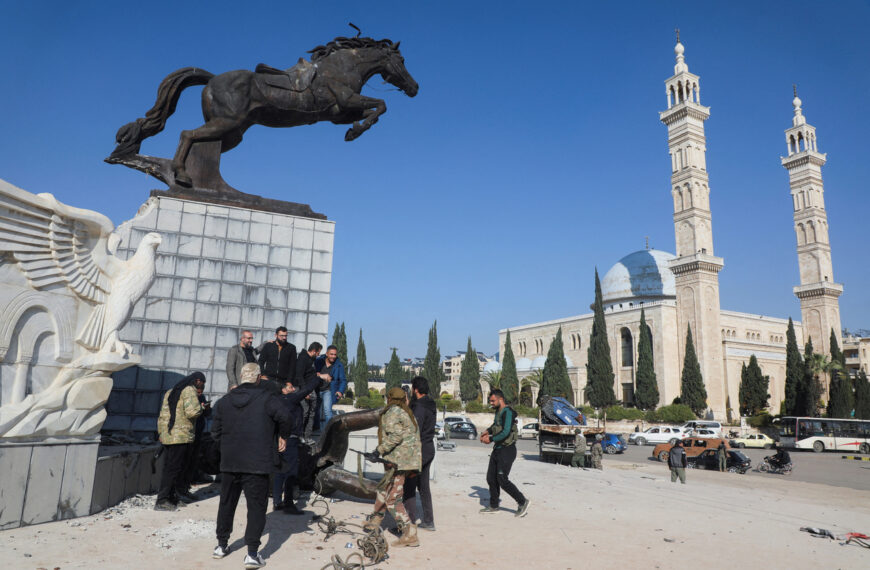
(862, 397)
(646, 396)
(432, 364)
(753, 389)
(509, 383)
(527, 384)
(493, 378)
(555, 380)
(794, 372)
(841, 399)
(393, 373)
(361, 368)
(811, 389)
(692, 391)
(599, 368)
(469, 376)
(339, 339)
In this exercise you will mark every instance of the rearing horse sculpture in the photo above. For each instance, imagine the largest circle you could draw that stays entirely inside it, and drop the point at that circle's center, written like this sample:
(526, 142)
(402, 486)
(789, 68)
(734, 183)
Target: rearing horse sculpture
(326, 89)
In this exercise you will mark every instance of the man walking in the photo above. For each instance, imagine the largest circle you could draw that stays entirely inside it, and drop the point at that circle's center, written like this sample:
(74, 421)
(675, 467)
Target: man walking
(239, 355)
(175, 425)
(278, 361)
(597, 452)
(245, 426)
(305, 372)
(503, 435)
(678, 463)
(579, 457)
(330, 365)
(425, 411)
(722, 454)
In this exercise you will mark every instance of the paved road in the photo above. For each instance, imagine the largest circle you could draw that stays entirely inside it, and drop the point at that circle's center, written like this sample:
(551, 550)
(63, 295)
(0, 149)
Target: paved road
(827, 468)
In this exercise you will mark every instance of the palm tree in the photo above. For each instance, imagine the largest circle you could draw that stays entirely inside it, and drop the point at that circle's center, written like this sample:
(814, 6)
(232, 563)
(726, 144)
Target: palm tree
(820, 364)
(493, 378)
(531, 381)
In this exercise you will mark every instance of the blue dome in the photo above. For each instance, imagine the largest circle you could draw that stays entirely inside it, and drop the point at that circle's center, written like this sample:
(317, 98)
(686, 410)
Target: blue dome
(640, 276)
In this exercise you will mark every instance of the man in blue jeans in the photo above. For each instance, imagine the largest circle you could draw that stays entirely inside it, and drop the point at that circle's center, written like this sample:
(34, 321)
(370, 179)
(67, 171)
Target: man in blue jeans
(331, 366)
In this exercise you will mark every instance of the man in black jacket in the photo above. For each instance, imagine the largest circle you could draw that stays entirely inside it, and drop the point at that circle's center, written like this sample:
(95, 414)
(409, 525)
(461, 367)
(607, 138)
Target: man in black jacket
(282, 489)
(305, 371)
(278, 361)
(246, 422)
(425, 412)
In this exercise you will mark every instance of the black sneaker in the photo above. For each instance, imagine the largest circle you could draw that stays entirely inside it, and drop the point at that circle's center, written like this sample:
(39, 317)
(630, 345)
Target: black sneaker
(523, 509)
(487, 510)
(430, 526)
(255, 561)
(220, 552)
(291, 509)
(185, 497)
(165, 505)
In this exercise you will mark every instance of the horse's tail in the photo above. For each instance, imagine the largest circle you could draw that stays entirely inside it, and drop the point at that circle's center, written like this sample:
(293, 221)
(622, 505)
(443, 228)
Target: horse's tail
(131, 135)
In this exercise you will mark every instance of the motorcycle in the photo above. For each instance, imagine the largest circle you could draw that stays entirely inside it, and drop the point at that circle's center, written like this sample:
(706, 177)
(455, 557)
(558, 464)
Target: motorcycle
(767, 466)
(733, 434)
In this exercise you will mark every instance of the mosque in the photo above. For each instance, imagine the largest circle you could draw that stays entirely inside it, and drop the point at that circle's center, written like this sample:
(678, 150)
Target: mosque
(680, 290)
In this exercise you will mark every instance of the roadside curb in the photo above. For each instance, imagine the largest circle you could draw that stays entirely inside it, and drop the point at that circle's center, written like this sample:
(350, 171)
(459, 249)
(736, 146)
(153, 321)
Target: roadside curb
(855, 457)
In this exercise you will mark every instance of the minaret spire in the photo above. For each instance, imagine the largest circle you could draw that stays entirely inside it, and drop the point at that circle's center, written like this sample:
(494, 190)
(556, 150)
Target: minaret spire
(818, 293)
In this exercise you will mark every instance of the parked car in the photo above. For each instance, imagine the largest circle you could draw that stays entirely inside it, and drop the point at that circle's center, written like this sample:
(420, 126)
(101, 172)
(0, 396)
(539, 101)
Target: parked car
(528, 429)
(709, 459)
(613, 443)
(455, 419)
(657, 434)
(689, 427)
(694, 446)
(703, 432)
(753, 440)
(462, 430)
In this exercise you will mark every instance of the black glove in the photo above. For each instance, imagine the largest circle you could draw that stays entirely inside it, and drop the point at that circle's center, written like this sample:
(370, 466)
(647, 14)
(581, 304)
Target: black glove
(373, 456)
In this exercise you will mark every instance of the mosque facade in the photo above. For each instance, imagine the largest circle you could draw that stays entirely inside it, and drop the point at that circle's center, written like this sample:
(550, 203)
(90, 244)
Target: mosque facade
(678, 291)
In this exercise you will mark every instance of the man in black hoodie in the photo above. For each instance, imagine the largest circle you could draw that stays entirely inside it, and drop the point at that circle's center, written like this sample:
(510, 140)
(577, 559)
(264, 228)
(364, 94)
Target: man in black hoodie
(425, 412)
(278, 361)
(246, 423)
(305, 371)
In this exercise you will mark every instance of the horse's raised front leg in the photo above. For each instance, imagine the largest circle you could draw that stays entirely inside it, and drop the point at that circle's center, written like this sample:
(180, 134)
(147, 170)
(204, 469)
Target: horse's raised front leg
(370, 108)
(213, 130)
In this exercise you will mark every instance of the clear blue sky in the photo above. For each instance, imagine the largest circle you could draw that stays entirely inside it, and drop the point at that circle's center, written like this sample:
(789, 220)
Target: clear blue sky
(532, 154)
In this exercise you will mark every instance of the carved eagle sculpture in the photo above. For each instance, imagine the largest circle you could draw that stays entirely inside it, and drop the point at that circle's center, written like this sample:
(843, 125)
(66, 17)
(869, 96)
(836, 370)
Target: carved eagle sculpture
(58, 245)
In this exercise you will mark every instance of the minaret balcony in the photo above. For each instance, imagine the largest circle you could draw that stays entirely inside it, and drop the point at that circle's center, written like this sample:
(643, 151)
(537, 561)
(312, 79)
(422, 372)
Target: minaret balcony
(696, 262)
(820, 289)
(683, 110)
(804, 158)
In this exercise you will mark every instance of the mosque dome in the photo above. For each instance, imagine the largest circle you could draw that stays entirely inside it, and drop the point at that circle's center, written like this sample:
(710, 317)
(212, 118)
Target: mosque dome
(640, 276)
(492, 366)
(538, 363)
(524, 364)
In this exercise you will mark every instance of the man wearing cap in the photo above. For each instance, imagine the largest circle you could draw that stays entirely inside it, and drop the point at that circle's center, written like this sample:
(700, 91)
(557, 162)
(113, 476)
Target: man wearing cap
(579, 457)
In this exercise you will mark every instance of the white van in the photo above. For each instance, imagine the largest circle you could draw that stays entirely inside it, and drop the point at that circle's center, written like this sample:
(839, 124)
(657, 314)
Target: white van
(715, 427)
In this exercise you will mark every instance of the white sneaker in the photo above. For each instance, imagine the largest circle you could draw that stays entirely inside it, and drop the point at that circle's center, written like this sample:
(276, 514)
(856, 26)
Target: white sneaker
(220, 552)
(252, 562)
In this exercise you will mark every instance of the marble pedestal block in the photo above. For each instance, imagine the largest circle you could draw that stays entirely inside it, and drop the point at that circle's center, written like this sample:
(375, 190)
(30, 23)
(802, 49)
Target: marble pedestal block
(46, 480)
(220, 269)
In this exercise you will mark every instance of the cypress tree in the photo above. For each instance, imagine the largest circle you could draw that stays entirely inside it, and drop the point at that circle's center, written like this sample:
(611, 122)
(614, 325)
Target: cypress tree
(509, 383)
(646, 394)
(555, 380)
(361, 369)
(810, 389)
(393, 373)
(753, 388)
(432, 364)
(469, 376)
(862, 397)
(794, 371)
(341, 344)
(840, 397)
(692, 391)
(599, 368)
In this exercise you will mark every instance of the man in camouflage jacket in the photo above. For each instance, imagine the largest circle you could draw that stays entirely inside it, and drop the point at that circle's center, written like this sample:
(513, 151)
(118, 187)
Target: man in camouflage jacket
(399, 447)
(176, 428)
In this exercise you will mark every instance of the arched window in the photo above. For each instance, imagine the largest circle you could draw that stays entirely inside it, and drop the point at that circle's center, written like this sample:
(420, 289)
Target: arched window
(801, 143)
(792, 146)
(801, 234)
(811, 232)
(627, 348)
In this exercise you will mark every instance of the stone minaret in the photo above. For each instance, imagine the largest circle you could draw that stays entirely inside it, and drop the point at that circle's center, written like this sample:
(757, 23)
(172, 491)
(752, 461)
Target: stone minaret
(820, 309)
(696, 268)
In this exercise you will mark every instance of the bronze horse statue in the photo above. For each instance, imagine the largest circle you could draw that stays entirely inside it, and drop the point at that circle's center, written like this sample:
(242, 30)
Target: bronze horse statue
(325, 89)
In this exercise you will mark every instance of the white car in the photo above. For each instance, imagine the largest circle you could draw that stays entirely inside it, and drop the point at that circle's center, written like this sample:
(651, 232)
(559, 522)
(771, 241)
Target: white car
(703, 432)
(656, 435)
(528, 429)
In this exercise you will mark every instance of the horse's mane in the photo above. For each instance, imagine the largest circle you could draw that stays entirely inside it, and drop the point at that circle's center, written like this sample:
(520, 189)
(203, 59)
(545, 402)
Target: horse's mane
(340, 43)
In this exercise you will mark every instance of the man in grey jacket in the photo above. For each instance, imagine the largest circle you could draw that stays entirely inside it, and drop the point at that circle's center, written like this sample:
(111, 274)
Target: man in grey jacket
(238, 356)
(678, 463)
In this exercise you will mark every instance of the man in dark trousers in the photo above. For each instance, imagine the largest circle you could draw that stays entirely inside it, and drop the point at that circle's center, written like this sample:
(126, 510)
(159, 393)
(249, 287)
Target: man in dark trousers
(722, 455)
(278, 361)
(285, 479)
(503, 434)
(425, 412)
(246, 423)
(677, 462)
(305, 371)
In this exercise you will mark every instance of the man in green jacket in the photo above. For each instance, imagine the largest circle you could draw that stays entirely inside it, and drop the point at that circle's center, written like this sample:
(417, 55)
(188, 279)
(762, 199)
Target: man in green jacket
(176, 427)
(399, 447)
(503, 435)
(579, 457)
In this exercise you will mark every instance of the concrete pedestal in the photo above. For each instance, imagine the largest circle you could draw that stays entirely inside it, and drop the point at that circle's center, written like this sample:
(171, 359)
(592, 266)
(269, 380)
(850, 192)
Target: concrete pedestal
(46, 480)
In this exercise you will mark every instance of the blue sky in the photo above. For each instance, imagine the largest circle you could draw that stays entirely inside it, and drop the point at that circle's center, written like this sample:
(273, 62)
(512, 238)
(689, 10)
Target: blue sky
(532, 154)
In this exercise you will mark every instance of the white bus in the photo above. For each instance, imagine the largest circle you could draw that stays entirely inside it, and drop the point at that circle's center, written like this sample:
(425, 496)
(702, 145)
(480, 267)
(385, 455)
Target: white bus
(820, 434)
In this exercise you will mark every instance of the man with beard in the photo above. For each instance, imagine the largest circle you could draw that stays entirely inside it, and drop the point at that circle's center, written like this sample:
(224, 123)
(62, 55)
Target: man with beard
(425, 412)
(305, 371)
(239, 355)
(278, 361)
